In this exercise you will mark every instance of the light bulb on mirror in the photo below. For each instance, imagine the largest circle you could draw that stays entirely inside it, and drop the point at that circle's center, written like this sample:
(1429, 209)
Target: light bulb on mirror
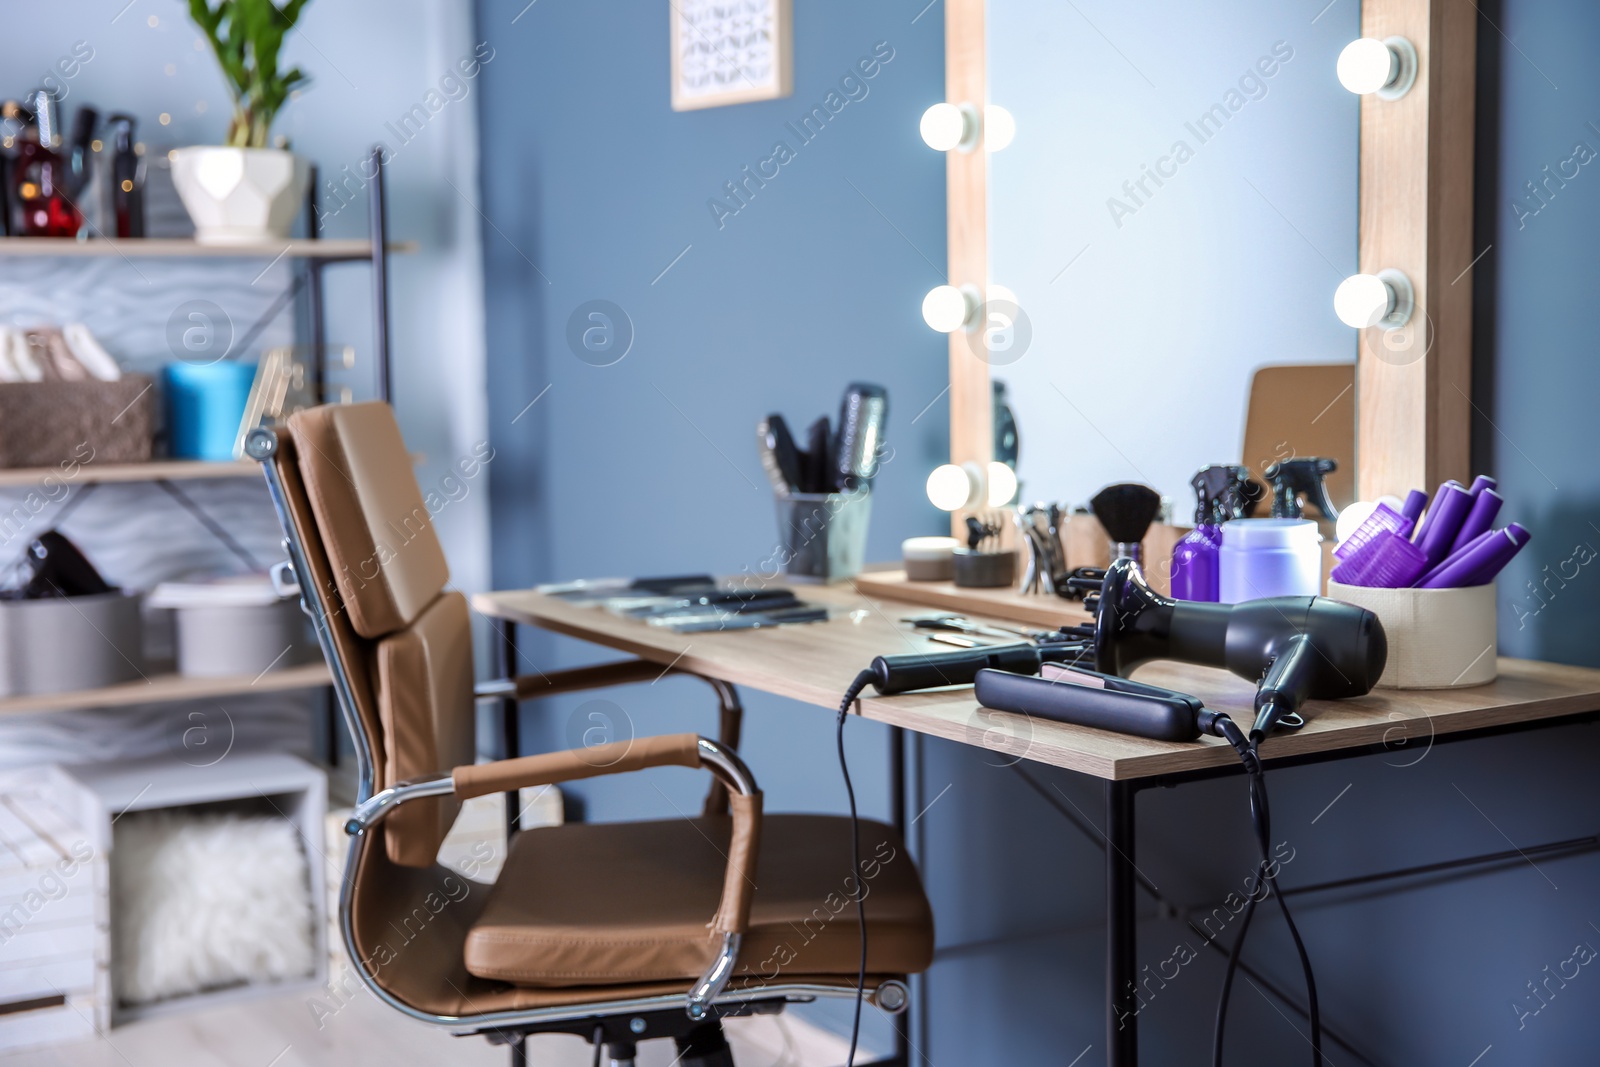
(1351, 516)
(1002, 484)
(952, 486)
(946, 127)
(999, 128)
(948, 309)
(1384, 299)
(1387, 68)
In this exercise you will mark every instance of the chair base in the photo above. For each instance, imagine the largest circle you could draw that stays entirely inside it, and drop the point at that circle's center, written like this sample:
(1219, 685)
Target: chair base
(629, 1028)
(699, 1043)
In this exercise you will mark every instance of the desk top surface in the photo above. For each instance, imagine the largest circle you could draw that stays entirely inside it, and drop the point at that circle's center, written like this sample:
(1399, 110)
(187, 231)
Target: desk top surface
(816, 662)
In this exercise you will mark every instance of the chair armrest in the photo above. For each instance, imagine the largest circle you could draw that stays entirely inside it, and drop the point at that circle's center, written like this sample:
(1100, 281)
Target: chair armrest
(548, 768)
(684, 750)
(618, 757)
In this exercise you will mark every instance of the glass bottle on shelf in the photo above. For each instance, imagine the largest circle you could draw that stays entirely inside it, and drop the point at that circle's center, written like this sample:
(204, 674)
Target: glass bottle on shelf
(40, 175)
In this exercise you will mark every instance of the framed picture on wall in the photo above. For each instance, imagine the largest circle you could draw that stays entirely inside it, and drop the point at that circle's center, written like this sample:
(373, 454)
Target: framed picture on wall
(729, 52)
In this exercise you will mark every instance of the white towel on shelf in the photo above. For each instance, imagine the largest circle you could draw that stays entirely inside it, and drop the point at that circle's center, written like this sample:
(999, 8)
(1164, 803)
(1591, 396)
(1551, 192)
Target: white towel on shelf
(18, 362)
(8, 367)
(95, 359)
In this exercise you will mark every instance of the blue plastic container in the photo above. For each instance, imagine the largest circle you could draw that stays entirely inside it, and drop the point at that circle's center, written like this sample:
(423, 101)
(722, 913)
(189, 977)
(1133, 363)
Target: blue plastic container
(205, 404)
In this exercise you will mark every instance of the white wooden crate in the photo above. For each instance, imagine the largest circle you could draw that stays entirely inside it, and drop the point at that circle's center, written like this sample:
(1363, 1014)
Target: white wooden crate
(54, 935)
(295, 788)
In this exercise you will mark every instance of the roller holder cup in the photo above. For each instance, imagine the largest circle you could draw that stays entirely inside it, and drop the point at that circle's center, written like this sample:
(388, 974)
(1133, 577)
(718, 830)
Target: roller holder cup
(1438, 638)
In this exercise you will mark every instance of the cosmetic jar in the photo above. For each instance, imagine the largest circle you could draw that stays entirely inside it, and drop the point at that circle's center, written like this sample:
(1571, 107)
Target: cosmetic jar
(984, 570)
(929, 559)
(1268, 557)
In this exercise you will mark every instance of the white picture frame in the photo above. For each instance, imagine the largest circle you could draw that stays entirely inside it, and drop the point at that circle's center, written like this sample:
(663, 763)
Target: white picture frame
(730, 52)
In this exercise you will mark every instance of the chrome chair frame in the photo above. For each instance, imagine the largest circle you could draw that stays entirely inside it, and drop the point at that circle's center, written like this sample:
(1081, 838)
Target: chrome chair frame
(707, 994)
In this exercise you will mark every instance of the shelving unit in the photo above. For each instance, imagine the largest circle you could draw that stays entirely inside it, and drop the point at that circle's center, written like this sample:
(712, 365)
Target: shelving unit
(170, 687)
(314, 251)
(315, 254)
(154, 471)
(328, 251)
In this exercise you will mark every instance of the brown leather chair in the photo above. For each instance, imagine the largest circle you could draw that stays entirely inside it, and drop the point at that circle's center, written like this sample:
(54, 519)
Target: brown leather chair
(617, 932)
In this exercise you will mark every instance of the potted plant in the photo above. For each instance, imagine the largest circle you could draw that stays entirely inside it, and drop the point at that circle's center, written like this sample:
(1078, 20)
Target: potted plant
(245, 190)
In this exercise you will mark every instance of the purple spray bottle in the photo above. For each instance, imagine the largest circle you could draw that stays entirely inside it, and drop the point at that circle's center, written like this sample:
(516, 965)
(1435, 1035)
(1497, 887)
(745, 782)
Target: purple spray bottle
(1223, 493)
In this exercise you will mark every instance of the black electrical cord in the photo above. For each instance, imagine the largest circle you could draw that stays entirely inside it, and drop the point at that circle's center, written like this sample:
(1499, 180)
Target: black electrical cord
(1266, 884)
(863, 680)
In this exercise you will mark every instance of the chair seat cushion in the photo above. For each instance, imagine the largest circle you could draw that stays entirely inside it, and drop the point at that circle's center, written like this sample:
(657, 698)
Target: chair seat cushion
(610, 903)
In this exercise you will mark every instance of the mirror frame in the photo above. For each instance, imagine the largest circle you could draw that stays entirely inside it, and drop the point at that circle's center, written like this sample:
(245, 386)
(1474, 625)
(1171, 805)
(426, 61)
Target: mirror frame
(1416, 211)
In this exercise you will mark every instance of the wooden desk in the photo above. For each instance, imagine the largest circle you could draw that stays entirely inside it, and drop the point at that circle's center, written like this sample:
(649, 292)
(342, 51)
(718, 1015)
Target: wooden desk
(816, 662)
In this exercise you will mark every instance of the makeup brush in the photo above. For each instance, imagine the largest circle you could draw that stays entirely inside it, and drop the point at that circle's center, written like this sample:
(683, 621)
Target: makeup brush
(1126, 510)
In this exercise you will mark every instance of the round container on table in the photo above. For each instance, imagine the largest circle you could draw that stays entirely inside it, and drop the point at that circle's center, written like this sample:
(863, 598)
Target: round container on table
(1438, 638)
(929, 559)
(1268, 557)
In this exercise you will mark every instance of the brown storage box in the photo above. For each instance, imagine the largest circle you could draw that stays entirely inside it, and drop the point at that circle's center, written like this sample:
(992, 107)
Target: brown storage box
(47, 424)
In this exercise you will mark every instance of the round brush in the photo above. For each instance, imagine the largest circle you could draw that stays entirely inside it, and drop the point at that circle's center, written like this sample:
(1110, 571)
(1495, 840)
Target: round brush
(1126, 510)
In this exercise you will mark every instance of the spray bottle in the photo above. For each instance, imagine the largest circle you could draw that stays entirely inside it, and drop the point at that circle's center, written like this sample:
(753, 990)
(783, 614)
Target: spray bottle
(1222, 493)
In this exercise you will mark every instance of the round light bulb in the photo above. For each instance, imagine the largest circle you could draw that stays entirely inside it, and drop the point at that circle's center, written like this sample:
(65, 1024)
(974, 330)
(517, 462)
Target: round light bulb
(1362, 300)
(1002, 484)
(1351, 518)
(947, 308)
(944, 127)
(1367, 65)
(999, 128)
(1383, 299)
(952, 487)
(1387, 67)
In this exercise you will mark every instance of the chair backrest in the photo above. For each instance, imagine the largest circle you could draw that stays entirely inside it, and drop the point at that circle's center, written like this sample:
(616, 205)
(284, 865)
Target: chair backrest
(403, 640)
(1304, 409)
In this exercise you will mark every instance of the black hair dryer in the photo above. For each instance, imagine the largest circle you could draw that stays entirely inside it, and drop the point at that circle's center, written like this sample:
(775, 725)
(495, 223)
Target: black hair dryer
(1296, 647)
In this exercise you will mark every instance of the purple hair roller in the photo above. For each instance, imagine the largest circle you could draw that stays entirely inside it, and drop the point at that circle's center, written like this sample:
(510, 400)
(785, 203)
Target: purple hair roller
(1518, 536)
(1482, 482)
(1455, 556)
(1383, 518)
(1416, 501)
(1485, 506)
(1387, 561)
(1482, 563)
(1450, 506)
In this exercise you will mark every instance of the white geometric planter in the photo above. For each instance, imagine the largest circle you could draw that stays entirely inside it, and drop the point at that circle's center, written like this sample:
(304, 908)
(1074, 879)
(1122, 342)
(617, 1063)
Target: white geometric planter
(240, 195)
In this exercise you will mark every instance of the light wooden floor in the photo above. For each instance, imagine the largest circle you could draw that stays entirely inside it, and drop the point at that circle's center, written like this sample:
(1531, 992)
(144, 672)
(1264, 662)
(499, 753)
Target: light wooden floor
(285, 1032)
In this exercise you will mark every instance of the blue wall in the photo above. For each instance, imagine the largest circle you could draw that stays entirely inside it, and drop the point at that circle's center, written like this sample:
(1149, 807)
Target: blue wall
(647, 466)
(1537, 317)
(592, 189)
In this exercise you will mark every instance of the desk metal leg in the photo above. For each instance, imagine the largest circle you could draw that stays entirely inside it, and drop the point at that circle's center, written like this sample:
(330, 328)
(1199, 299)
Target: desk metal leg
(897, 818)
(510, 722)
(1122, 931)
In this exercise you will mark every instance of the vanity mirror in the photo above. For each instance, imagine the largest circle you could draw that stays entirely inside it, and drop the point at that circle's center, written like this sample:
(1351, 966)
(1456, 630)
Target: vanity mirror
(1175, 210)
(1188, 194)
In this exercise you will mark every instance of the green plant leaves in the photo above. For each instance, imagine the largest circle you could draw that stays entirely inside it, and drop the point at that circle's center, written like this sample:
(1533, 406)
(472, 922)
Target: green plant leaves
(246, 36)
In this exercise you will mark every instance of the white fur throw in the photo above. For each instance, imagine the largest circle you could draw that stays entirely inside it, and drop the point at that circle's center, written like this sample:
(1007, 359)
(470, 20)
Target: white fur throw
(201, 901)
